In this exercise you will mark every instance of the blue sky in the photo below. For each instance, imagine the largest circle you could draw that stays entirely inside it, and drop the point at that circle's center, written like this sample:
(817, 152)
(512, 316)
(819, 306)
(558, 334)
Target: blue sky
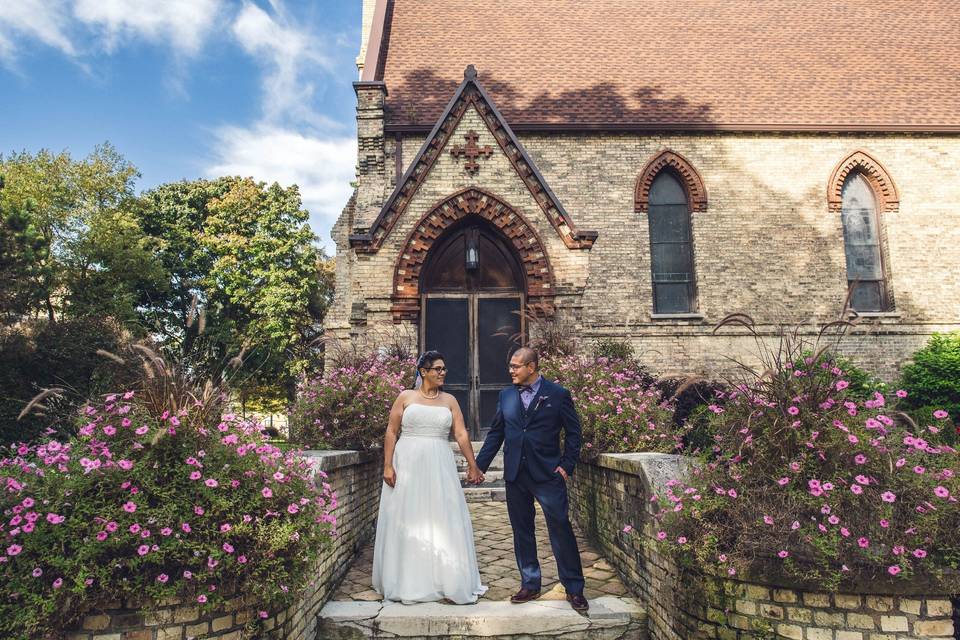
(189, 88)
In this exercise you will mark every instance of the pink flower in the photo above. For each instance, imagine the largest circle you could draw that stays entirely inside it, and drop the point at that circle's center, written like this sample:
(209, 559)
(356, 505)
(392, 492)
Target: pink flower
(242, 559)
(941, 492)
(795, 525)
(143, 549)
(211, 482)
(225, 527)
(860, 458)
(186, 527)
(142, 430)
(14, 550)
(102, 535)
(661, 535)
(195, 475)
(135, 528)
(294, 508)
(845, 532)
(857, 489)
(884, 523)
(228, 547)
(682, 540)
(263, 614)
(162, 578)
(863, 542)
(126, 465)
(888, 496)
(36, 573)
(918, 469)
(166, 531)
(188, 574)
(111, 526)
(27, 503)
(768, 519)
(198, 510)
(919, 553)
(940, 414)
(110, 430)
(58, 583)
(842, 384)
(783, 553)
(266, 492)
(853, 439)
(54, 518)
(783, 481)
(201, 598)
(129, 506)
(793, 411)
(627, 529)
(732, 493)
(893, 569)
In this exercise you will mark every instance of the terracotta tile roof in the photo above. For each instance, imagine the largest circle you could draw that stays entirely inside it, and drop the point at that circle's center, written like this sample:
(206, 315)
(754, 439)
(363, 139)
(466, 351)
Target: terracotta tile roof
(740, 64)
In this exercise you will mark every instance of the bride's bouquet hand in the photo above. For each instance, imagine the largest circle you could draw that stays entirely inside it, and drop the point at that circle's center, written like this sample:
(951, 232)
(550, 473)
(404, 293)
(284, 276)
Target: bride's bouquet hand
(390, 476)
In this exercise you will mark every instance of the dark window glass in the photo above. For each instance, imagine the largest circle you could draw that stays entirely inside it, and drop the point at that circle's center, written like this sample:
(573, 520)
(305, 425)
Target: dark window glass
(498, 325)
(671, 249)
(446, 331)
(861, 242)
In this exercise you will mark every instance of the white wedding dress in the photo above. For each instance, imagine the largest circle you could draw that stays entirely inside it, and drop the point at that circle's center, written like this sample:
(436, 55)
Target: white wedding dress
(424, 548)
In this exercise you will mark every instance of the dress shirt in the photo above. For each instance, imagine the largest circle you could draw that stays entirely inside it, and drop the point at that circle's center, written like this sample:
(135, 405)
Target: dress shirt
(527, 394)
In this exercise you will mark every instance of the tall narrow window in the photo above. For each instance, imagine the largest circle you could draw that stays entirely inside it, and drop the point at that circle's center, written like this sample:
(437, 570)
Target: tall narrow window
(671, 248)
(861, 240)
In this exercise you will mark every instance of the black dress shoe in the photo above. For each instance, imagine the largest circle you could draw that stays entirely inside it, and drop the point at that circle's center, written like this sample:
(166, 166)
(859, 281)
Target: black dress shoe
(578, 602)
(524, 595)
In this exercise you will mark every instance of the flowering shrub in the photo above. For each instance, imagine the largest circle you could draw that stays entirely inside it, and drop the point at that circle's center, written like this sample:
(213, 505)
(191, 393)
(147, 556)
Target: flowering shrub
(348, 407)
(933, 382)
(141, 504)
(825, 485)
(620, 409)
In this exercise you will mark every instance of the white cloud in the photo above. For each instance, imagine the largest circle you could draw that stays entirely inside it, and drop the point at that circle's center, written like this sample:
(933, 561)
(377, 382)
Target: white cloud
(183, 24)
(42, 20)
(287, 52)
(322, 167)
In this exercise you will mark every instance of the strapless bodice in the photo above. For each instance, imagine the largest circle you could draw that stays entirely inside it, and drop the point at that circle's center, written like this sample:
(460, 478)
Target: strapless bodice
(426, 421)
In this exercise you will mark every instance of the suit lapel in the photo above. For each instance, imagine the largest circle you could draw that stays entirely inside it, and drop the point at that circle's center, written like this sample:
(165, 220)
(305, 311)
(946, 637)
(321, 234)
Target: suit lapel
(537, 400)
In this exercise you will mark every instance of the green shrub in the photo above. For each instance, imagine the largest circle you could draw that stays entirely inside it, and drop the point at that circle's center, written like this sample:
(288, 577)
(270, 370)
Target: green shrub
(620, 409)
(932, 381)
(185, 504)
(613, 349)
(349, 406)
(808, 479)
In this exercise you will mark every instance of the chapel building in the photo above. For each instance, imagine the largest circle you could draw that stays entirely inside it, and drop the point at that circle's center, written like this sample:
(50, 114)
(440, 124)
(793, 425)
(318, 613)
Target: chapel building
(643, 169)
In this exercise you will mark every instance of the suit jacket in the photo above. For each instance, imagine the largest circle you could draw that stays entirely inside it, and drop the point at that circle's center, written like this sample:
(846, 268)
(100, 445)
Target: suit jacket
(534, 434)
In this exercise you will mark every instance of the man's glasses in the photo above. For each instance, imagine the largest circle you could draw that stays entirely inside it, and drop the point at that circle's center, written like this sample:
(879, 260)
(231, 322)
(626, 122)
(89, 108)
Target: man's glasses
(514, 367)
(437, 369)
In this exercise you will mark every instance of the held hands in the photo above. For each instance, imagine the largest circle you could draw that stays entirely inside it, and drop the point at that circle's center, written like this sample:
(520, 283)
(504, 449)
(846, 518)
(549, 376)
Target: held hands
(390, 476)
(474, 475)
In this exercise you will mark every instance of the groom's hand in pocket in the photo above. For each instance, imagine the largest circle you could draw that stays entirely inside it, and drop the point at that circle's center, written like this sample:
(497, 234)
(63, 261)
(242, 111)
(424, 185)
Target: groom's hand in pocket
(390, 476)
(561, 472)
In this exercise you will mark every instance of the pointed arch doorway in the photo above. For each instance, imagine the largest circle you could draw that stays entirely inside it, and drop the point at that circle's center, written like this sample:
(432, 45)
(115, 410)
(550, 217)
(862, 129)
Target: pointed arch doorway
(473, 290)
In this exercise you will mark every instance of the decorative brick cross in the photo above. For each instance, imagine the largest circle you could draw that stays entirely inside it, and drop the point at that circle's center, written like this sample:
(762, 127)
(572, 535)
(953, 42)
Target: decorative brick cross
(471, 151)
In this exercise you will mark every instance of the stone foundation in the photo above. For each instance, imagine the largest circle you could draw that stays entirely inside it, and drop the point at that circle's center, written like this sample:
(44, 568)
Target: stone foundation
(615, 491)
(356, 479)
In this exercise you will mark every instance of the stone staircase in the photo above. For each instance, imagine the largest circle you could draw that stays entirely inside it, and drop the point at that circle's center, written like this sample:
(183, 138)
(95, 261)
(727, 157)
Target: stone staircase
(492, 487)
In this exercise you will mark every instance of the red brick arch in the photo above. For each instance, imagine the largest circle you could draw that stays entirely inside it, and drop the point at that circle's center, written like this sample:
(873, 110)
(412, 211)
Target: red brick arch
(471, 202)
(883, 187)
(689, 178)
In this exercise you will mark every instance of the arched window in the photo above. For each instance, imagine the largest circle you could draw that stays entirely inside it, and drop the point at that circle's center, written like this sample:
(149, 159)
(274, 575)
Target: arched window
(861, 241)
(671, 246)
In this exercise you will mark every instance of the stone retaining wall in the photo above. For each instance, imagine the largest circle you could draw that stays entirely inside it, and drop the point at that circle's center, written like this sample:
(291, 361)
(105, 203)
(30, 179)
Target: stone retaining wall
(356, 479)
(615, 492)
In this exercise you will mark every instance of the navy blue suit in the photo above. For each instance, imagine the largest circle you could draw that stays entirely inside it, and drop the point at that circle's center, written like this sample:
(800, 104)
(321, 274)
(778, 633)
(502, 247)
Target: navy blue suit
(531, 453)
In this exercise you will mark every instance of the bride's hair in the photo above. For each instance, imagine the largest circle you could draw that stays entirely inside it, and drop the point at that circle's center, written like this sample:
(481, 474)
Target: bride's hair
(425, 361)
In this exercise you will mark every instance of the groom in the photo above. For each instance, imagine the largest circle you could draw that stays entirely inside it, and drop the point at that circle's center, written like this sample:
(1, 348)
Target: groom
(529, 418)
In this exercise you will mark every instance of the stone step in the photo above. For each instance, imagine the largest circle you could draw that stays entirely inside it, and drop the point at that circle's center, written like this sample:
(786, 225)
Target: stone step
(492, 476)
(484, 493)
(609, 618)
(495, 464)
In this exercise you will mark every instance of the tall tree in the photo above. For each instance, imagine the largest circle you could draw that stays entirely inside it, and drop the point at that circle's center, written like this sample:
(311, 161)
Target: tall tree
(22, 249)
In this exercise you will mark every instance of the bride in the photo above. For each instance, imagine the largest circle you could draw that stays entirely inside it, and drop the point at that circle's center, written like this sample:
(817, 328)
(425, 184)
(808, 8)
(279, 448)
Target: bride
(424, 546)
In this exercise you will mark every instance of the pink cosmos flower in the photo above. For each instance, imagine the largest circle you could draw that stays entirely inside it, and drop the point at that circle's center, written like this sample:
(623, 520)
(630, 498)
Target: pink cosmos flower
(201, 598)
(266, 492)
(919, 553)
(795, 525)
(863, 542)
(143, 549)
(294, 508)
(940, 414)
(853, 439)
(126, 465)
(661, 535)
(862, 479)
(783, 481)
(198, 510)
(110, 430)
(225, 527)
(135, 528)
(228, 547)
(627, 529)
(845, 532)
(195, 475)
(186, 527)
(129, 506)
(14, 550)
(142, 430)
(54, 518)
(793, 411)
(242, 559)
(263, 614)
(36, 573)
(722, 557)
(111, 526)
(842, 384)
(884, 523)
(941, 492)
(893, 570)
(901, 393)
(860, 458)
(211, 482)
(732, 493)
(58, 583)
(188, 574)
(783, 553)
(833, 520)
(166, 531)
(888, 496)
(162, 578)
(682, 540)
(102, 535)
(768, 519)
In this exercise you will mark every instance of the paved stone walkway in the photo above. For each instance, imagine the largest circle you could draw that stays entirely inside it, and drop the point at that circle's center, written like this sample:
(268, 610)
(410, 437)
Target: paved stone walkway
(498, 566)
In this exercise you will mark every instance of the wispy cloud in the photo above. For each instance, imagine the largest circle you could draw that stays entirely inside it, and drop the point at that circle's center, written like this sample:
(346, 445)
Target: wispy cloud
(42, 20)
(181, 24)
(322, 167)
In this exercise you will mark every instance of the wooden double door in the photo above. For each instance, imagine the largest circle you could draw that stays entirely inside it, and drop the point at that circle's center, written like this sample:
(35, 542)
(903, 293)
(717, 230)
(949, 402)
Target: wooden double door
(472, 312)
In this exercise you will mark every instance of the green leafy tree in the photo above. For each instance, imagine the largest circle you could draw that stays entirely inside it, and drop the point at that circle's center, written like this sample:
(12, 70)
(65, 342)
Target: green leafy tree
(22, 249)
(244, 277)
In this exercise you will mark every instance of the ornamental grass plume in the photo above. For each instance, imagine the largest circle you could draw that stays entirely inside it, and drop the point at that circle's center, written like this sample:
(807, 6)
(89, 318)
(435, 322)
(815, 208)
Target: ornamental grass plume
(808, 480)
(620, 408)
(154, 505)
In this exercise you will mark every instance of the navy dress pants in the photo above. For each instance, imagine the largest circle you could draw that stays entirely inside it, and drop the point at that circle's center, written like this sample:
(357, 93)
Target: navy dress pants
(552, 496)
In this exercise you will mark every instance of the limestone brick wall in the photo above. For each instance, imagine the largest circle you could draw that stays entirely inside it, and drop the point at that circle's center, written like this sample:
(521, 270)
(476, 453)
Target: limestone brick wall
(356, 479)
(766, 245)
(615, 492)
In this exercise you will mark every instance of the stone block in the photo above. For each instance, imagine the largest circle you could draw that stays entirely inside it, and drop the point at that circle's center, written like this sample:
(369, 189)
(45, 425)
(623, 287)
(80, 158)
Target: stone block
(849, 635)
(746, 607)
(893, 623)
(847, 601)
(199, 630)
(816, 599)
(908, 605)
(106, 636)
(829, 619)
(186, 614)
(939, 608)
(933, 628)
(784, 595)
(882, 636)
(96, 623)
(139, 634)
(170, 633)
(792, 631)
(879, 603)
(126, 619)
(771, 611)
(860, 621)
(755, 592)
(818, 633)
